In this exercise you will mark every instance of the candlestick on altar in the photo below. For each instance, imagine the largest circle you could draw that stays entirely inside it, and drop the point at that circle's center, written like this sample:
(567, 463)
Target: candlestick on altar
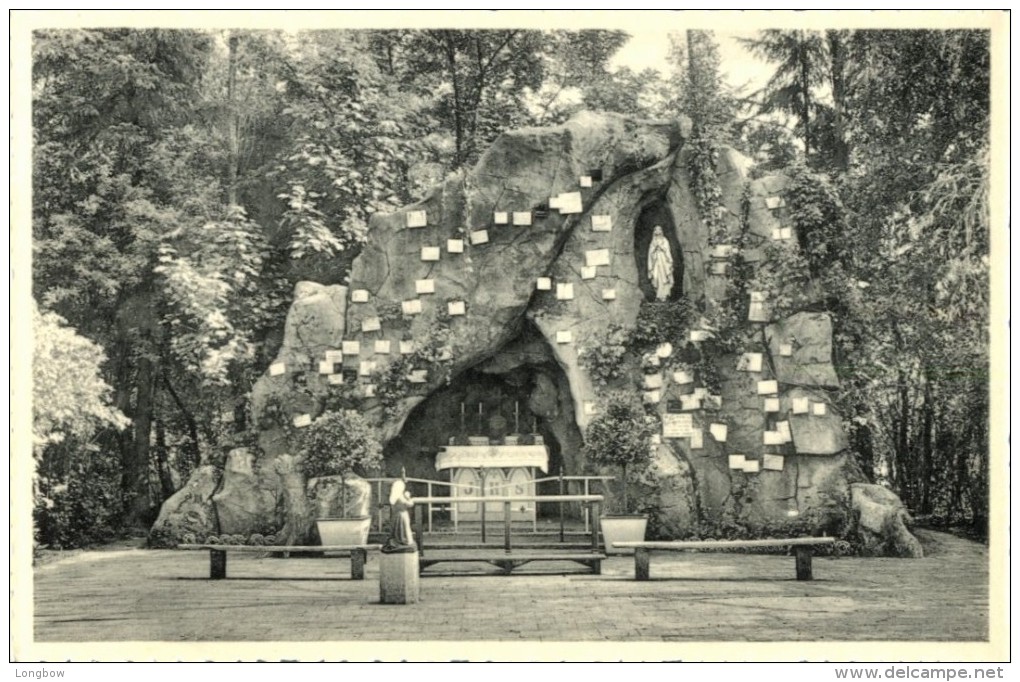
(517, 416)
(462, 427)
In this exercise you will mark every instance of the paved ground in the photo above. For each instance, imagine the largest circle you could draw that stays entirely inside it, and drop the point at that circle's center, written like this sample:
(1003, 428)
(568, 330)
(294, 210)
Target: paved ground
(146, 595)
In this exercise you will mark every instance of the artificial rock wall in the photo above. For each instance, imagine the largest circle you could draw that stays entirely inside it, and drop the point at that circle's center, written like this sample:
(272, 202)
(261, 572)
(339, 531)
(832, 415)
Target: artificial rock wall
(540, 235)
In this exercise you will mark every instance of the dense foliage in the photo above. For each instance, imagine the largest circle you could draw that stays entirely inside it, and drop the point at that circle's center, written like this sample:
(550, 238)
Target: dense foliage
(620, 436)
(338, 444)
(899, 234)
(77, 486)
(71, 398)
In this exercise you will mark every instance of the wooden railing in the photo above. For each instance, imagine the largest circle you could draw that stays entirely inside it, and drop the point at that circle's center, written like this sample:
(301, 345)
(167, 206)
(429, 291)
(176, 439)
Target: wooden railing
(563, 480)
(380, 485)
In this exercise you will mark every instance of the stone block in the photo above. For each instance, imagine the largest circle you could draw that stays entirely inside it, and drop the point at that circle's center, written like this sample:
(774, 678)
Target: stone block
(190, 510)
(398, 578)
(810, 335)
(246, 501)
(814, 434)
(882, 520)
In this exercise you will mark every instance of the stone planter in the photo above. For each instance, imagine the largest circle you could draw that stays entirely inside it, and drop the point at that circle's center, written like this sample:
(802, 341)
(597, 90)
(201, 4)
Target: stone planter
(344, 531)
(622, 529)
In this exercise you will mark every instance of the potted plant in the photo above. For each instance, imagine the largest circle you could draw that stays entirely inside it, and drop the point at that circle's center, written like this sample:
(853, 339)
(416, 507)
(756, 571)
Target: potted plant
(620, 436)
(339, 443)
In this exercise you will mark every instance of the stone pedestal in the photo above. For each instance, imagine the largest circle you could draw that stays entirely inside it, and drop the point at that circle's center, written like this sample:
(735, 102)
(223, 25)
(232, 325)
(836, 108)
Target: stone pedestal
(398, 578)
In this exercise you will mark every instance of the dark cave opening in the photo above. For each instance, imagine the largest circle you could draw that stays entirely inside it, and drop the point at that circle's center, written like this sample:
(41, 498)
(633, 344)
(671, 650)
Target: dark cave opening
(517, 393)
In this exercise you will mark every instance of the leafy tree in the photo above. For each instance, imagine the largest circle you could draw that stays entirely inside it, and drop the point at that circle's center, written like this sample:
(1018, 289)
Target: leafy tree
(111, 114)
(339, 443)
(219, 295)
(70, 398)
(461, 89)
(625, 91)
(705, 99)
(702, 93)
(101, 102)
(905, 256)
(479, 77)
(348, 157)
(899, 238)
(801, 60)
(76, 486)
(620, 435)
(577, 75)
(242, 102)
(771, 144)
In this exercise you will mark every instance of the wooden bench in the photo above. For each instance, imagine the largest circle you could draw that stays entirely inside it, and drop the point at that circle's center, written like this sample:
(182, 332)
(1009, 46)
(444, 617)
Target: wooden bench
(218, 555)
(508, 561)
(801, 546)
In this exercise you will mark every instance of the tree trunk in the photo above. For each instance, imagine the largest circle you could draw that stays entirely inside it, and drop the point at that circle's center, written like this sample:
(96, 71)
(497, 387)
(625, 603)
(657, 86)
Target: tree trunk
(837, 77)
(166, 477)
(189, 420)
(927, 431)
(240, 415)
(902, 450)
(389, 57)
(232, 132)
(458, 124)
(805, 85)
(135, 478)
(697, 119)
(863, 444)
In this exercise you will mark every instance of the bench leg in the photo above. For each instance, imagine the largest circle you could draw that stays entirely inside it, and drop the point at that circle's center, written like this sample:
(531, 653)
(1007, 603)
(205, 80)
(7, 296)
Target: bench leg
(803, 562)
(641, 561)
(217, 564)
(596, 566)
(358, 558)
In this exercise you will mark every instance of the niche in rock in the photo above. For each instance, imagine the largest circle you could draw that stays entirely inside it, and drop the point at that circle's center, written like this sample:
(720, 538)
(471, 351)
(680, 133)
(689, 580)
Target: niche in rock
(655, 215)
(519, 392)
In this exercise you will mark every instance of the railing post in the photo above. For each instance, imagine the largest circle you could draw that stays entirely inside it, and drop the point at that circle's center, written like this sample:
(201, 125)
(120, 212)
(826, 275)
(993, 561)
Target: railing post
(534, 503)
(561, 507)
(430, 506)
(506, 525)
(378, 506)
(418, 530)
(585, 507)
(595, 526)
(483, 477)
(454, 491)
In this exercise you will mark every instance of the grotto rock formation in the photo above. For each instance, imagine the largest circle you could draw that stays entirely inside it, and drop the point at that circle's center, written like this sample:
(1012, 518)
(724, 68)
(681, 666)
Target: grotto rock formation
(546, 235)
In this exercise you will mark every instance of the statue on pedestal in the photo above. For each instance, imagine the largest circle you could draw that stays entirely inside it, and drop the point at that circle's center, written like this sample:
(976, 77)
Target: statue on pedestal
(401, 538)
(660, 265)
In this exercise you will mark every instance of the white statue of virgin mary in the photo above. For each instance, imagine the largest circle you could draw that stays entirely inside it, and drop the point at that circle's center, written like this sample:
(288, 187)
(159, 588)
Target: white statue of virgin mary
(401, 538)
(660, 265)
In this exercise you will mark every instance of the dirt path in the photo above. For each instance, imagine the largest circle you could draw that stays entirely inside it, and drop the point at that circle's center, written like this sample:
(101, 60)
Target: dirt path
(148, 595)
